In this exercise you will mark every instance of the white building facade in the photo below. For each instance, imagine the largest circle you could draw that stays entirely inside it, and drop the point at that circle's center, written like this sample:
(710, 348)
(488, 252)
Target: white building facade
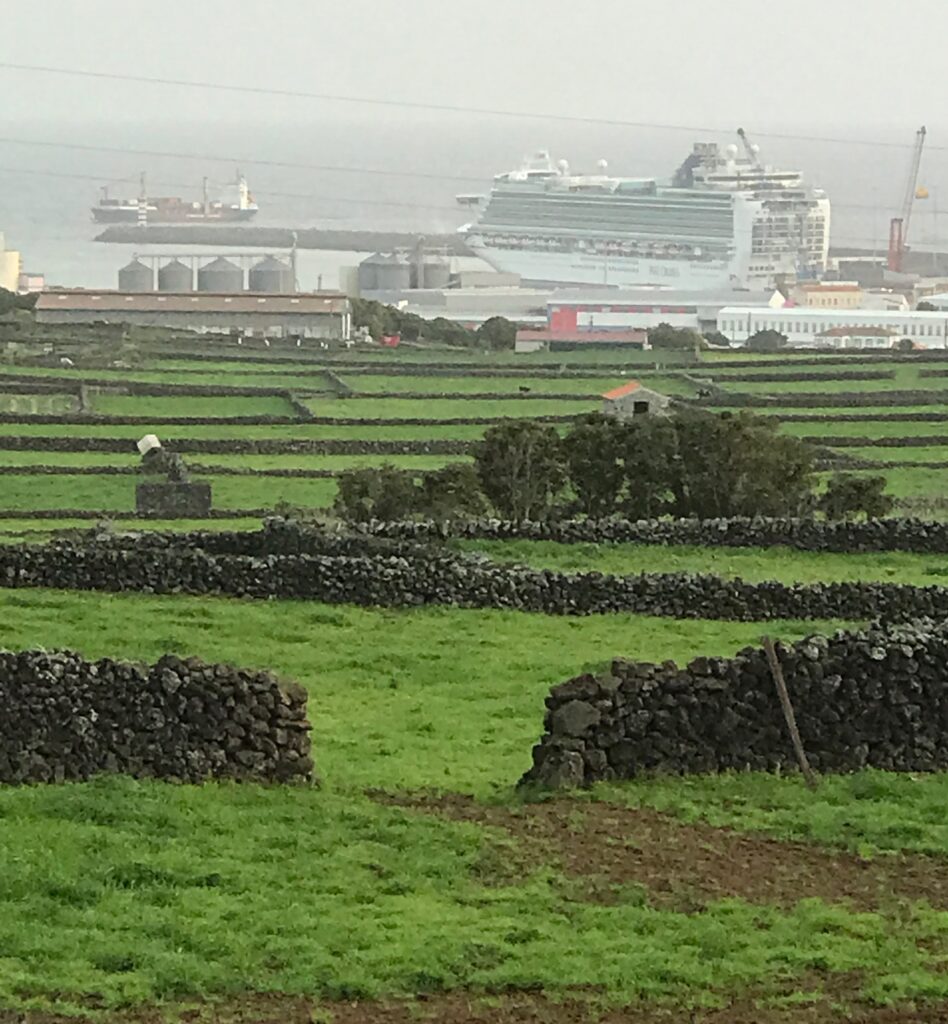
(803, 326)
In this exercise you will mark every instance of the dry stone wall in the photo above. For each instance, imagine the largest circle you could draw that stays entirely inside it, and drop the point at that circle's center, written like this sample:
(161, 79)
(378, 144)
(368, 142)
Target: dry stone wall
(181, 719)
(411, 575)
(912, 535)
(867, 699)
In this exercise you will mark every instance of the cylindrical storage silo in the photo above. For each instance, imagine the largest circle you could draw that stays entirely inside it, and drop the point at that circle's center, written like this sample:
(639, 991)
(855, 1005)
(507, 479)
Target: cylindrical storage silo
(136, 277)
(437, 274)
(220, 276)
(368, 273)
(175, 277)
(393, 274)
(273, 276)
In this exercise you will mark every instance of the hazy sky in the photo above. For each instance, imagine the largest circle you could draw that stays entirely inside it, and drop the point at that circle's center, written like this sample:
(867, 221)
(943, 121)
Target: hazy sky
(812, 63)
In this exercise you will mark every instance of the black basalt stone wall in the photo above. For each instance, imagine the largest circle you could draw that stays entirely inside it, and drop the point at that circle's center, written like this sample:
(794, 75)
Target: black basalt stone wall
(173, 499)
(407, 575)
(877, 698)
(918, 535)
(70, 719)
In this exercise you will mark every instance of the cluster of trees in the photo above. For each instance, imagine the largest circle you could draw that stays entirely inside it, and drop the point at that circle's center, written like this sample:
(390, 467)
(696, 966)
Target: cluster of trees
(10, 301)
(688, 465)
(379, 320)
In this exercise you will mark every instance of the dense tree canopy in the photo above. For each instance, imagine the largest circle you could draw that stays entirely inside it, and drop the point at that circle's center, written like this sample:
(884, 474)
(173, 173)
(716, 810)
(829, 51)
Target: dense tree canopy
(848, 496)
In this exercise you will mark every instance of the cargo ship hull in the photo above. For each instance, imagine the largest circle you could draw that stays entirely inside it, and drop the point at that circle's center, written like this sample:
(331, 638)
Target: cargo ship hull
(146, 209)
(157, 215)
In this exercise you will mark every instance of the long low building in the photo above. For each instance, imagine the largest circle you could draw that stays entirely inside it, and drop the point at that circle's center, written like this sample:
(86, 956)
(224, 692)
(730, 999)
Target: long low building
(304, 315)
(641, 308)
(823, 327)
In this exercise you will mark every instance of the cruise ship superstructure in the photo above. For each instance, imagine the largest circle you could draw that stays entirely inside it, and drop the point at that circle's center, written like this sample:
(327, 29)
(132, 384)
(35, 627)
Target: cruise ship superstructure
(724, 221)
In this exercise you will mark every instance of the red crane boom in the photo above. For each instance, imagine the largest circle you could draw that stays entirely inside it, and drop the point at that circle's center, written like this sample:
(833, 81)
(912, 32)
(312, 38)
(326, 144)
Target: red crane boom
(899, 226)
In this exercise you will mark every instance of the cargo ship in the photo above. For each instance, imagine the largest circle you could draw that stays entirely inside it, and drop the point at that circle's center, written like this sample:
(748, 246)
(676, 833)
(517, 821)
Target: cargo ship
(146, 209)
(724, 220)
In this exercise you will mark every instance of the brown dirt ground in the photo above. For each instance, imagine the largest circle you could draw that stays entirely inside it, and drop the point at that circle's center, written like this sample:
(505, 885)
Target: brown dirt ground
(601, 847)
(684, 866)
(469, 1009)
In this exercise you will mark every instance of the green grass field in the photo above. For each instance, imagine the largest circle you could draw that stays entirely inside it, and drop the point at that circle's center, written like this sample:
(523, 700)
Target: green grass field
(113, 888)
(187, 405)
(143, 898)
(449, 408)
(281, 432)
(502, 385)
(117, 493)
(752, 564)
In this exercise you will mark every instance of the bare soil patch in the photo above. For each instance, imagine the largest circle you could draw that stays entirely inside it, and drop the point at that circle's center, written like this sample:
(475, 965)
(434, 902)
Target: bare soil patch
(464, 1008)
(685, 866)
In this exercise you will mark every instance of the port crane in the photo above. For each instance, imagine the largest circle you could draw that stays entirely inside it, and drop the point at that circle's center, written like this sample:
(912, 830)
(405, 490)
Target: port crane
(899, 226)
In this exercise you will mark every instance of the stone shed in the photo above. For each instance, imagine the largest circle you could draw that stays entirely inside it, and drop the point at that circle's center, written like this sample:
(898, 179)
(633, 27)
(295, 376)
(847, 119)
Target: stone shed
(632, 399)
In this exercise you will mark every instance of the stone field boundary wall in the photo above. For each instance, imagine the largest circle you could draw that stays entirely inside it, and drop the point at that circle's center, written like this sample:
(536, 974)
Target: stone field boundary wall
(867, 699)
(100, 419)
(877, 535)
(819, 399)
(68, 719)
(240, 446)
(406, 575)
(856, 417)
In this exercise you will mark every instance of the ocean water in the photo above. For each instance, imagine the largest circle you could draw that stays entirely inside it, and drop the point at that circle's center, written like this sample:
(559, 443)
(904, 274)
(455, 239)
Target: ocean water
(395, 174)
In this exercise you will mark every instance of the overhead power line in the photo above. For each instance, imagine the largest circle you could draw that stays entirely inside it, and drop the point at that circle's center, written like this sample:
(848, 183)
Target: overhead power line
(317, 197)
(434, 107)
(334, 198)
(239, 161)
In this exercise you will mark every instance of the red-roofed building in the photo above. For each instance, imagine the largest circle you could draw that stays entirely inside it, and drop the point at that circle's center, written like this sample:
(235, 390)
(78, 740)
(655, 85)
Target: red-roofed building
(632, 399)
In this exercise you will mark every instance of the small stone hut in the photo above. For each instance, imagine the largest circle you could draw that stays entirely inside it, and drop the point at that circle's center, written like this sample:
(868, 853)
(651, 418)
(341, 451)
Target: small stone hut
(632, 399)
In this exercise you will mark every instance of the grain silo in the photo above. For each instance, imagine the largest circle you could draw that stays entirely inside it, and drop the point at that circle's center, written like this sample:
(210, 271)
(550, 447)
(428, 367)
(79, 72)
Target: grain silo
(368, 273)
(437, 273)
(136, 277)
(392, 273)
(175, 277)
(273, 276)
(222, 276)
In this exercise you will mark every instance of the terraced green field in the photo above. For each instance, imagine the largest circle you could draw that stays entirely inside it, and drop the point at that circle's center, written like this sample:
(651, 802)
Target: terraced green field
(174, 405)
(745, 896)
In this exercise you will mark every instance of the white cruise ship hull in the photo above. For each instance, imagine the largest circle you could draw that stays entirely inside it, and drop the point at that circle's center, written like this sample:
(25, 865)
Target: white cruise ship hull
(574, 268)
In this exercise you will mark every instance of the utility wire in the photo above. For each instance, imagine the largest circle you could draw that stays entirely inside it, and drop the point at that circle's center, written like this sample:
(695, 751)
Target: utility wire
(317, 197)
(286, 164)
(437, 107)
(326, 197)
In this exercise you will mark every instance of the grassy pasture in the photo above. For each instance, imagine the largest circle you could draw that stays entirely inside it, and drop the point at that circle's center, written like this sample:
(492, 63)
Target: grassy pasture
(752, 564)
(188, 405)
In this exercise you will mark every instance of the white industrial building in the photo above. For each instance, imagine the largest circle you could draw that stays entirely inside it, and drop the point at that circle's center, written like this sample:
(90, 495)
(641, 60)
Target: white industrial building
(642, 308)
(820, 328)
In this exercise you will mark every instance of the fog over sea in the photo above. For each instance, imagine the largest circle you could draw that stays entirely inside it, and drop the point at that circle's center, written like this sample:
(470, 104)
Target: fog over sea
(419, 162)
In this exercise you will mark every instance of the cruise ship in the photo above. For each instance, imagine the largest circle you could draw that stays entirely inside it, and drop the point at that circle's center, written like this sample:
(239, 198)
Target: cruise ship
(725, 220)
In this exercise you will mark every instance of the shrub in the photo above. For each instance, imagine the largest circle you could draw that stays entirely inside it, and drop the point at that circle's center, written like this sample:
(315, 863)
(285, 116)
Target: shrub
(384, 492)
(451, 492)
(848, 495)
(497, 333)
(767, 341)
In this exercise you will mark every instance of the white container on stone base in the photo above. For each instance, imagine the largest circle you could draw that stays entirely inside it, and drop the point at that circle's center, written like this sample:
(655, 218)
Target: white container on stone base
(147, 444)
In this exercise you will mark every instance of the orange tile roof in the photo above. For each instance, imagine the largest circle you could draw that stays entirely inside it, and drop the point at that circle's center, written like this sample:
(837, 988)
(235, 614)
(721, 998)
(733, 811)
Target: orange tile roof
(621, 392)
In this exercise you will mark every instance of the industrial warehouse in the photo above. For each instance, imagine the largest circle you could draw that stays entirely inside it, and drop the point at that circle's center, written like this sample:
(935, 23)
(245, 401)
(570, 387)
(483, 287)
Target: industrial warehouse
(315, 315)
(207, 294)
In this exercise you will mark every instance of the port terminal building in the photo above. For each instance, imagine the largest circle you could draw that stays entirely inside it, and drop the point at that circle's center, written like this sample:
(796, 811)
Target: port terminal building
(301, 315)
